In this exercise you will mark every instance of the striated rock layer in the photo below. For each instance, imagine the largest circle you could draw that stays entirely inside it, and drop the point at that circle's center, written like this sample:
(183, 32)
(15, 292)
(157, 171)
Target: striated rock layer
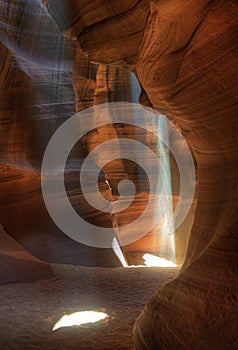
(187, 64)
(196, 79)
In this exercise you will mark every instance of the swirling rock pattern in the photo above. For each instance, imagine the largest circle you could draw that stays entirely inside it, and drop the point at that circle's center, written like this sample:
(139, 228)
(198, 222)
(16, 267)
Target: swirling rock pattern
(88, 23)
(196, 80)
(187, 64)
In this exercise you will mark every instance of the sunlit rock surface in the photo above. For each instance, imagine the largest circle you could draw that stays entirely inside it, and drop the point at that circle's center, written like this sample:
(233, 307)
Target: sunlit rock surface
(187, 64)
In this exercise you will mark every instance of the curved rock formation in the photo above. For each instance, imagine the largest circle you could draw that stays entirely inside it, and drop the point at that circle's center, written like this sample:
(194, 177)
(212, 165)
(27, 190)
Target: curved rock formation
(196, 80)
(187, 64)
(98, 24)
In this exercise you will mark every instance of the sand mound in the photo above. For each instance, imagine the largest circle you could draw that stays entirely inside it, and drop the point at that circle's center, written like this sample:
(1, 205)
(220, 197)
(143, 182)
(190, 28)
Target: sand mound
(17, 265)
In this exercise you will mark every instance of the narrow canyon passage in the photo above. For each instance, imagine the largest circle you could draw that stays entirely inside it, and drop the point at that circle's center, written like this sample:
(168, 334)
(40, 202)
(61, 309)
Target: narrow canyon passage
(118, 65)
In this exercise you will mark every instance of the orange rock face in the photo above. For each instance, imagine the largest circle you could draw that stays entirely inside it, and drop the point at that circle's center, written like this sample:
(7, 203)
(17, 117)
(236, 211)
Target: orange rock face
(196, 81)
(111, 25)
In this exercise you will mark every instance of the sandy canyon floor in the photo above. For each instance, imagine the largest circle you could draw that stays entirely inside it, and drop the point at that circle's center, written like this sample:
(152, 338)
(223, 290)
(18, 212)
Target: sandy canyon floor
(28, 311)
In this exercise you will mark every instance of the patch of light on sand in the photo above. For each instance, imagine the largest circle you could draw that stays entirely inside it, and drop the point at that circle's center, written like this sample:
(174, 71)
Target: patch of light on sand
(153, 260)
(80, 318)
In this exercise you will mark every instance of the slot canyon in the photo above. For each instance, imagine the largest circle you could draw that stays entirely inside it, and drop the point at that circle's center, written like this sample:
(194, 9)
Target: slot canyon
(147, 90)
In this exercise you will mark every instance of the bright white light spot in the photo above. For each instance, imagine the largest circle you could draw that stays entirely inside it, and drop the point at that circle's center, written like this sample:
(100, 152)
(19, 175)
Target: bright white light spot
(117, 250)
(153, 260)
(79, 318)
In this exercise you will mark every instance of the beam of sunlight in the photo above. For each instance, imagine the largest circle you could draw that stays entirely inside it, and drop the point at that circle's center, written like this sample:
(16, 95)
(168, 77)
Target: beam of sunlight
(153, 260)
(164, 241)
(80, 318)
(117, 250)
(165, 237)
